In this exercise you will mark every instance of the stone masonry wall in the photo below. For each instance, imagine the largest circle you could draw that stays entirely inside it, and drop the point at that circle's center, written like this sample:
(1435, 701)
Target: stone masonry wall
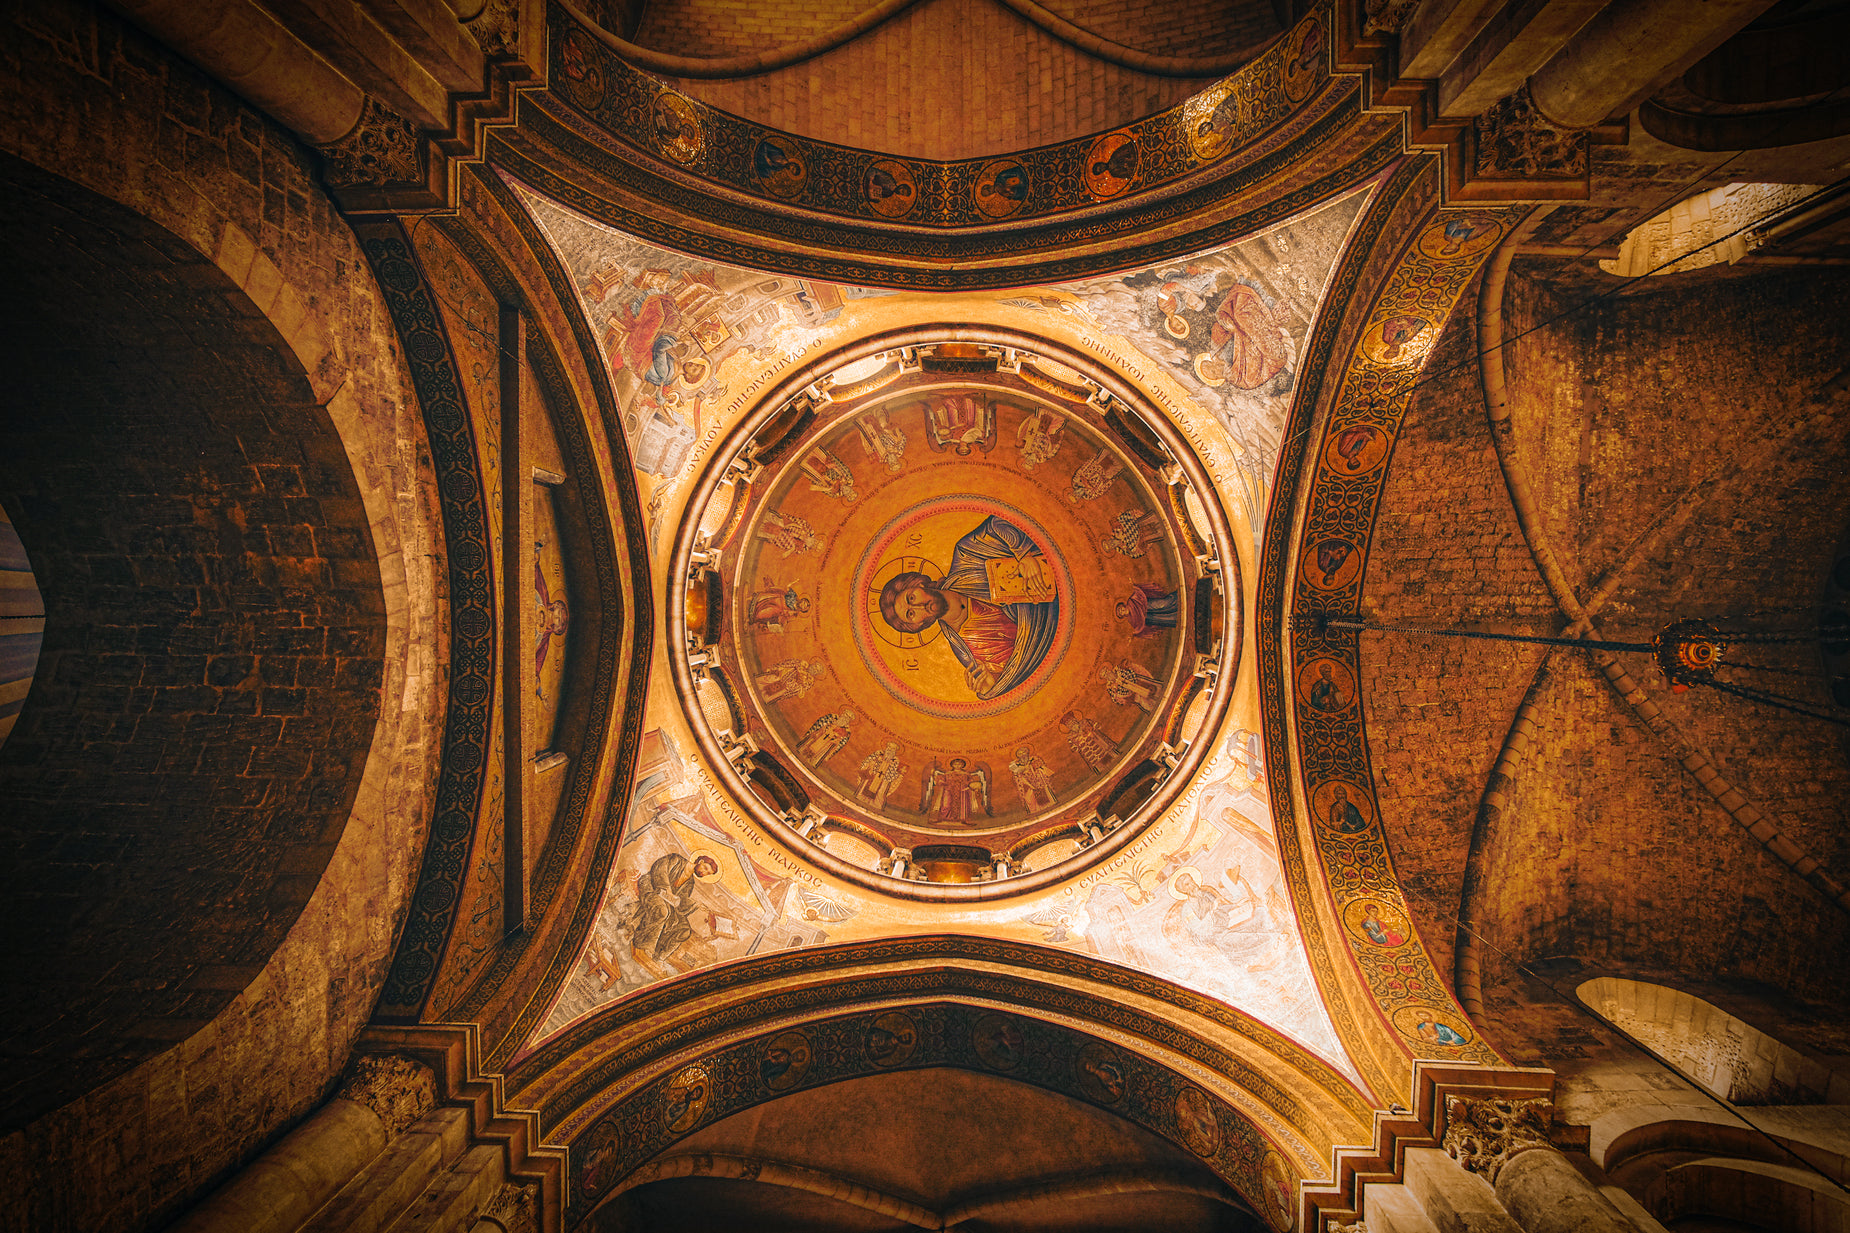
(87, 98)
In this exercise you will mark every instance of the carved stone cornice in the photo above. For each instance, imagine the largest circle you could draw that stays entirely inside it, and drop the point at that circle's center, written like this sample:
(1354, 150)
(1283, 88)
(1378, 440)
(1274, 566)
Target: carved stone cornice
(1483, 1133)
(452, 1054)
(496, 29)
(382, 150)
(515, 1209)
(1508, 153)
(1383, 1162)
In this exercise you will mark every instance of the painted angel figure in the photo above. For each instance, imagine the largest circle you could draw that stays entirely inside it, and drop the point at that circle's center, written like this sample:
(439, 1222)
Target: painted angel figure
(789, 678)
(1092, 480)
(1087, 741)
(829, 474)
(1133, 529)
(789, 532)
(554, 617)
(960, 422)
(1127, 683)
(1040, 436)
(955, 791)
(1033, 781)
(881, 439)
(826, 737)
(880, 774)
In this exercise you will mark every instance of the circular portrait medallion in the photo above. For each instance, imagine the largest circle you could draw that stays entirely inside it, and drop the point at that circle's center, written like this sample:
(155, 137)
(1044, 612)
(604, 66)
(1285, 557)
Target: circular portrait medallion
(1374, 923)
(785, 1061)
(1434, 1033)
(1195, 1120)
(1330, 564)
(1456, 237)
(1326, 686)
(1100, 1072)
(998, 1042)
(891, 188)
(779, 167)
(1001, 188)
(890, 1039)
(1399, 341)
(1278, 1189)
(1111, 165)
(1356, 449)
(679, 132)
(684, 1099)
(1342, 807)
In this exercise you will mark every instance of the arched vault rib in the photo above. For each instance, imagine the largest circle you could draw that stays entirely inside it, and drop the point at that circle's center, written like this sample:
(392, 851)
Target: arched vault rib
(1818, 411)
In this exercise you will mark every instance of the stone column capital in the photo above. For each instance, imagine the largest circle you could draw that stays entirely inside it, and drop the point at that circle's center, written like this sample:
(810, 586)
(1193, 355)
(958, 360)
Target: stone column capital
(1482, 1134)
(398, 1089)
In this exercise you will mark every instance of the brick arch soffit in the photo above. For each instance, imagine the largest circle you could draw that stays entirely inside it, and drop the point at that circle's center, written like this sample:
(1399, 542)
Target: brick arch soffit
(876, 15)
(304, 342)
(599, 1087)
(505, 989)
(1409, 263)
(1283, 133)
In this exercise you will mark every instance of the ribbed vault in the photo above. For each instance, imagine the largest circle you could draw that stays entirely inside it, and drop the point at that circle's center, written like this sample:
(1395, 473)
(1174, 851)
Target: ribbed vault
(1674, 455)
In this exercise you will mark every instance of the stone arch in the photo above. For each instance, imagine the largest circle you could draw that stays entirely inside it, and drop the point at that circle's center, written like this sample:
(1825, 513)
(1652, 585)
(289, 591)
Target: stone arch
(234, 201)
(1693, 1161)
(1729, 1058)
(1707, 228)
(707, 1041)
(187, 759)
(1044, 1158)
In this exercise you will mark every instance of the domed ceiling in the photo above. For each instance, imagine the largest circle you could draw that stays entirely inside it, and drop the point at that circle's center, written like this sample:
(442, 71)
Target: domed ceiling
(950, 592)
(911, 608)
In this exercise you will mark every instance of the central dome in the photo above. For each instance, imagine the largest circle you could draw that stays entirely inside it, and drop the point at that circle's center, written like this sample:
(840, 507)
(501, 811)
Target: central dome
(953, 610)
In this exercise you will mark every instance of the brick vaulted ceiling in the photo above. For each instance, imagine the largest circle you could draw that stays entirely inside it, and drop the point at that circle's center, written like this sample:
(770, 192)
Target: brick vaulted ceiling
(1678, 445)
(958, 78)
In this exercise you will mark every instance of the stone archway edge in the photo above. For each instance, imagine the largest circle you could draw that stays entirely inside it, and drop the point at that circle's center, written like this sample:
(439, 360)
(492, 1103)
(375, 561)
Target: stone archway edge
(1050, 23)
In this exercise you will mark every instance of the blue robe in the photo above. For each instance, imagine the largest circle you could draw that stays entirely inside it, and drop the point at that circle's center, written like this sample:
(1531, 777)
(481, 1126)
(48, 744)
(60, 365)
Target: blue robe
(998, 539)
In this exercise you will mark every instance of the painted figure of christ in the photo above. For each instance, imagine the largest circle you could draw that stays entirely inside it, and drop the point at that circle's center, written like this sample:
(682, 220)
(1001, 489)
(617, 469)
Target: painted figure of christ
(996, 606)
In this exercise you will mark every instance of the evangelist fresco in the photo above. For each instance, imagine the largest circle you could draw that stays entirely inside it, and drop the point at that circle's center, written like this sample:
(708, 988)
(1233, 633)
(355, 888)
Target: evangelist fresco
(684, 894)
(1207, 906)
(1054, 562)
(684, 337)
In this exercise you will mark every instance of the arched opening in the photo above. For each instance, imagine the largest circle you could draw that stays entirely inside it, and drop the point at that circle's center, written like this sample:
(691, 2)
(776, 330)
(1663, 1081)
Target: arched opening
(185, 762)
(1730, 1059)
(1707, 229)
(940, 1148)
(22, 625)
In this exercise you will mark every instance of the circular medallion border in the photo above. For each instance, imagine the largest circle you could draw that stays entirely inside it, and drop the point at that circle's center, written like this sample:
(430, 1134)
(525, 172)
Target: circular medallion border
(882, 554)
(751, 780)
